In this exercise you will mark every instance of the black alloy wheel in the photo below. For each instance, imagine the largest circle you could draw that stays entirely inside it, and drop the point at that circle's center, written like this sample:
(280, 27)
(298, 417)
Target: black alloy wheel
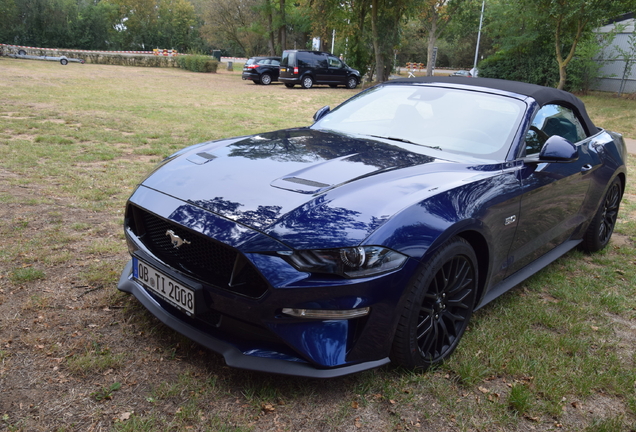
(266, 79)
(438, 308)
(600, 231)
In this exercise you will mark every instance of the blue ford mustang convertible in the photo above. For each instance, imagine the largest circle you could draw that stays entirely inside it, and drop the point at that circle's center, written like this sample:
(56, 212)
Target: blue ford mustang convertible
(371, 236)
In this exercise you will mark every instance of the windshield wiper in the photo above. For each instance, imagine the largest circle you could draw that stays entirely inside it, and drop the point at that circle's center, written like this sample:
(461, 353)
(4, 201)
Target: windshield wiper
(406, 141)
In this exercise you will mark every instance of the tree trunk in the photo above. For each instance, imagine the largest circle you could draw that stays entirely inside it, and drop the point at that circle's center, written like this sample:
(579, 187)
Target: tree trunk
(379, 64)
(282, 31)
(563, 63)
(432, 37)
(270, 29)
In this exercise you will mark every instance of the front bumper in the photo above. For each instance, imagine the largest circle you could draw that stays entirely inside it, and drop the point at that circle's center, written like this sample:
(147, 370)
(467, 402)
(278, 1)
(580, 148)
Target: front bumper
(249, 327)
(232, 355)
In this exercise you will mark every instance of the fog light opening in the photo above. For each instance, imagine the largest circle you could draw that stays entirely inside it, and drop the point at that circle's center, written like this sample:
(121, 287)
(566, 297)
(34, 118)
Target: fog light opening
(327, 314)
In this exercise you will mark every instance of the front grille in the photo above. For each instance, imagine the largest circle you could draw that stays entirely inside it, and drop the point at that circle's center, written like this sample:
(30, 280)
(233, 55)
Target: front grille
(204, 259)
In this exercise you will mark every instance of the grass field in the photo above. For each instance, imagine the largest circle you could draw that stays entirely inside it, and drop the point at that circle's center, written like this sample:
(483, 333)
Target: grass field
(556, 353)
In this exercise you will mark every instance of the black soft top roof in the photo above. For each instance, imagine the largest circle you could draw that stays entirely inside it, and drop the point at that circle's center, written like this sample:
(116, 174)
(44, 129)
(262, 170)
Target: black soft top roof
(542, 95)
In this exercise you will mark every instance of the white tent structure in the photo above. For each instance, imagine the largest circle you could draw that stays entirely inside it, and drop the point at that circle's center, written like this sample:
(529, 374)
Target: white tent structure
(618, 74)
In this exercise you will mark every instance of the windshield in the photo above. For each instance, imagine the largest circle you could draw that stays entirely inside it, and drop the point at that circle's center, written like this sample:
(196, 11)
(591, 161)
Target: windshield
(467, 122)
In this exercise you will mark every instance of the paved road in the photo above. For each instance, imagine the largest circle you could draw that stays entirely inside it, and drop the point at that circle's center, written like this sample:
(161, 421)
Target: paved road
(631, 145)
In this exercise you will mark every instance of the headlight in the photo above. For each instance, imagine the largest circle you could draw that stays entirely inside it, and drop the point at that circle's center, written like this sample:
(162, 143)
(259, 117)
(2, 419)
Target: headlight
(353, 262)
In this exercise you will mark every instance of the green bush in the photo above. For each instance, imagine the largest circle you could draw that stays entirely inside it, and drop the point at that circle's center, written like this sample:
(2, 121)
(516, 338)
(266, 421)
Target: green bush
(538, 67)
(198, 63)
(537, 64)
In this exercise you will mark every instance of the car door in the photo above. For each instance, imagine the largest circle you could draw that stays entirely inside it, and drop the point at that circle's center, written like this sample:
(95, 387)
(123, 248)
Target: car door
(337, 71)
(274, 69)
(552, 193)
(321, 68)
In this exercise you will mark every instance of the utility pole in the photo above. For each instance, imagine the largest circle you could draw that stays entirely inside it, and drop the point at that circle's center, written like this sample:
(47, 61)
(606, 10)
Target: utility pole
(481, 20)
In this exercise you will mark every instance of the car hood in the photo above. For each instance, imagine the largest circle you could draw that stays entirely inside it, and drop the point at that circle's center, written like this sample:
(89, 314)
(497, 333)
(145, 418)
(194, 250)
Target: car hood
(292, 181)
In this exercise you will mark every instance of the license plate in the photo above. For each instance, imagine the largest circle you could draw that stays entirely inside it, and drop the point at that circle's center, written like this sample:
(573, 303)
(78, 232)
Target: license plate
(283, 70)
(164, 286)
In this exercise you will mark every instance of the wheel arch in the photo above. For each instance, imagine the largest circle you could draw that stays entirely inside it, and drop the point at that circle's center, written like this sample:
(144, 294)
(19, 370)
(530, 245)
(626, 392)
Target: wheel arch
(623, 178)
(479, 244)
(469, 231)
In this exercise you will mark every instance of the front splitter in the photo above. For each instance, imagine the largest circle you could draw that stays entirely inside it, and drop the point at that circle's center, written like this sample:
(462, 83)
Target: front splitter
(233, 356)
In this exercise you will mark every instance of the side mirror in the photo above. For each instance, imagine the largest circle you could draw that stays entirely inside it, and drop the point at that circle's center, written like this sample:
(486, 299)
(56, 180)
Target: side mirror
(558, 149)
(321, 113)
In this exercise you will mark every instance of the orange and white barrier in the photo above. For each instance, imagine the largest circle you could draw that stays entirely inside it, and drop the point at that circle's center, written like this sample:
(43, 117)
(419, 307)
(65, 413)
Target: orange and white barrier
(165, 52)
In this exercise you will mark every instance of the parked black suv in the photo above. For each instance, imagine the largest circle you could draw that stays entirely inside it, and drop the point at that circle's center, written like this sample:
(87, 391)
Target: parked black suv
(315, 67)
(261, 70)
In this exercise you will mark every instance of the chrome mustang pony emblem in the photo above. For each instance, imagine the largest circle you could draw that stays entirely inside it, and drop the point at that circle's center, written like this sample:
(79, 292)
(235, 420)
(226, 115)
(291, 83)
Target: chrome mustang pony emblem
(176, 241)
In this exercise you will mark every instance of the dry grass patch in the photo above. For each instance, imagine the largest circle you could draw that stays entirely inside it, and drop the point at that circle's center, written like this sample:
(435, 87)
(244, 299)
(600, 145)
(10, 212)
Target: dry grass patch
(75, 354)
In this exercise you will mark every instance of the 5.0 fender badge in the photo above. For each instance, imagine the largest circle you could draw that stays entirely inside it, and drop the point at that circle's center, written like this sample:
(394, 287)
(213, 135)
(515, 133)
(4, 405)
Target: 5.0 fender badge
(176, 241)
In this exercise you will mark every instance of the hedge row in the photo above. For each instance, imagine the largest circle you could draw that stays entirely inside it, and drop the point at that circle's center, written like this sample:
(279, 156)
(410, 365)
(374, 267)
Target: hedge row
(194, 63)
(198, 63)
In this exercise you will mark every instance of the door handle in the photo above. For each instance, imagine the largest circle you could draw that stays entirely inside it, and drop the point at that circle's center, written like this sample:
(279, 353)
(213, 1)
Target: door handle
(586, 167)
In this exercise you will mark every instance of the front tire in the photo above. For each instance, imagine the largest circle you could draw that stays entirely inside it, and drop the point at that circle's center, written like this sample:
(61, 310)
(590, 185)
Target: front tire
(266, 79)
(352, 83)
(438, 308)
(64, 62)
(308, 82)
(600, 231)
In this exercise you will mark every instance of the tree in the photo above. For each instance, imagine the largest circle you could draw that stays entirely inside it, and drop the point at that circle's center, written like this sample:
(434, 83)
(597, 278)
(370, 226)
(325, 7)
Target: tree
(386, 19)
(8, 23)
(92, 29)
(571, 18)
(435, 17)
(529, 25)
(235, 25)
(176, 24)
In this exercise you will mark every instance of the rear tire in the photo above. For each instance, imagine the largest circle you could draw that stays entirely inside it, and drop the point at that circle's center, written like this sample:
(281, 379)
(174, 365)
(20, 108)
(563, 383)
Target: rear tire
(307, 82)
(600, 231)
(266, 79)
(440, 301)
(22, 52)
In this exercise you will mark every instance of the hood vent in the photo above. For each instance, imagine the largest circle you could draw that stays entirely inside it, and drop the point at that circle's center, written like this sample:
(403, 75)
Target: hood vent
(300, 185)
(201, 158)
(306, 182)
